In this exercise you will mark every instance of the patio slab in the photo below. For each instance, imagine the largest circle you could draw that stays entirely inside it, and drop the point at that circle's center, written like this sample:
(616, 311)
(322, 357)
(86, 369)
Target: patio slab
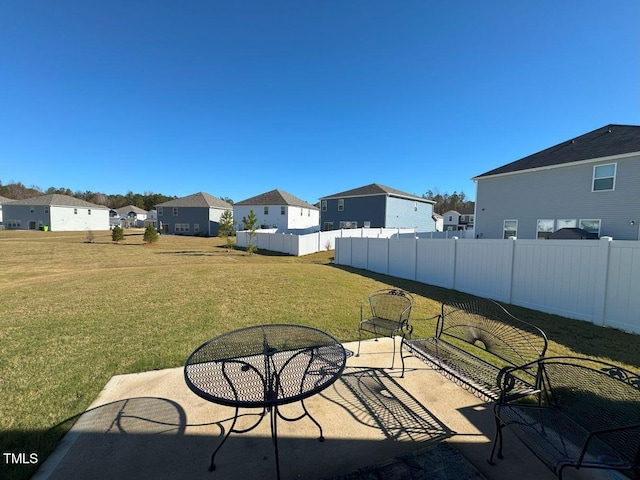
(150, 425)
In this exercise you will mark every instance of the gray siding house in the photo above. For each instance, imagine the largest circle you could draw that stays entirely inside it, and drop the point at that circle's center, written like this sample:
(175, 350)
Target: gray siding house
(55, 212)
(591, 182)
(3, 200)
(197, 214)
(376, 206)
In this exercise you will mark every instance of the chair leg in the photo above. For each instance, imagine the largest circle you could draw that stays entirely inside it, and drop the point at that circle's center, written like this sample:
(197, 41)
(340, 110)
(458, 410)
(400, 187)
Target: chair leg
(359, 339)
(498, 440)
(393, 359)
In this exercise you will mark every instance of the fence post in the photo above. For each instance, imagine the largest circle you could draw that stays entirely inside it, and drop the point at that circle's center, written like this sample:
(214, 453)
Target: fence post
(455, 261)
(600, 304)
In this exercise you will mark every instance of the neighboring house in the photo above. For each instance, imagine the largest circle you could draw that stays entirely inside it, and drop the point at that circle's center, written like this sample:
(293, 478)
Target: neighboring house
(454, 220)
(132, 216)
(376, 206)
(439, 222)
(3, 200)
(58, 213)
(152, 218)
(278, 209)
(197, 214)
(591, 182)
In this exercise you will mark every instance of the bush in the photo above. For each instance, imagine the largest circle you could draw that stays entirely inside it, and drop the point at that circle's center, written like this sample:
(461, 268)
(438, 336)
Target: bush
(117, 234)
(150, 234)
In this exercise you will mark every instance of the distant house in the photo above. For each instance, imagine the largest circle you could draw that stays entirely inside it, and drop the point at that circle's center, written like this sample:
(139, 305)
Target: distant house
(3, 200)
(197, 214)
(376, 206)
(278, 209)
(132, 216)
(591, 182)
(454, 220)
(58, 213)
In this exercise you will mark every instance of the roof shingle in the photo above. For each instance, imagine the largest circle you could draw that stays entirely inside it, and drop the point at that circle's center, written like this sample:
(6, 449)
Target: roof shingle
(604, 142)
(276, 197)
(375, 189)
(200, 199)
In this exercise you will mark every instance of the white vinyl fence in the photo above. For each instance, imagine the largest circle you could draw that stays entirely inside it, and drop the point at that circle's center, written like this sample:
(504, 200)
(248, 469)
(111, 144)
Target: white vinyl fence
(593, 280)
(312, 242)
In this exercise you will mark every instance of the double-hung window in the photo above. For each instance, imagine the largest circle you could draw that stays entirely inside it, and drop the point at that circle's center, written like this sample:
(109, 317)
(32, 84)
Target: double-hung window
(604, 177)
(340, 204)
(510, 228)
(545, 228)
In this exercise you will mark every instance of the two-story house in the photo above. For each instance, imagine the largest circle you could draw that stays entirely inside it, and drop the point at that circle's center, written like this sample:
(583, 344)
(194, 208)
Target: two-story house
(55, 212)
(376, 206)
(590, 182)
(280, 210)
(454, 220)
(197, 214)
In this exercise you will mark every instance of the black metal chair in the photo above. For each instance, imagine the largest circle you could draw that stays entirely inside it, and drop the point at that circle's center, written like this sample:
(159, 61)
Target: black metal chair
(385, 313)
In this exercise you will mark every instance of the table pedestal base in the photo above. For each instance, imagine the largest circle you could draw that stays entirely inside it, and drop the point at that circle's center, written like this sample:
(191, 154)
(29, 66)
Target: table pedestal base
(274, 413)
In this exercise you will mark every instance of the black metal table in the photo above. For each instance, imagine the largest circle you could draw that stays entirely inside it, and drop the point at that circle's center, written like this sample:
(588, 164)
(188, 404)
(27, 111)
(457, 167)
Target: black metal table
(265, 367)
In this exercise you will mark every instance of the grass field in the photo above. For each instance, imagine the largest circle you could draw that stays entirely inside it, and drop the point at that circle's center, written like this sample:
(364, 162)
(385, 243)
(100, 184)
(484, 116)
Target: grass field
(73, 314)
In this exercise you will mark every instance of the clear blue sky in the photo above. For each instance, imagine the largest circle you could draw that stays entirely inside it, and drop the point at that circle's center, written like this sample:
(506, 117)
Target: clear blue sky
(236, 98)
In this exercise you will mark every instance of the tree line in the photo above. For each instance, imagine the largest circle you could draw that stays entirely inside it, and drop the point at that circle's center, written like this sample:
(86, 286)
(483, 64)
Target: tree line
(146, 200)
(445, 202)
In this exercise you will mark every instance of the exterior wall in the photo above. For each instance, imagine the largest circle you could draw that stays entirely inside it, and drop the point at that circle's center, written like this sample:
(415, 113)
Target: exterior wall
(59, 218)
(356, 209)
(207, 219)
(450, 224)
(560, 193)
(291, 220)
(406, 213)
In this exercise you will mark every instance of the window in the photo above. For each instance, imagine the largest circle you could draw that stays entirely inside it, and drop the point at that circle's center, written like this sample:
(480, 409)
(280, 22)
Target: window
(301, 212)
(182, 228)
(340, 204)
(510, 228)
(175, 211)
(32, 209)
(196, 228)
(46, 209)
(349, 224)
(591, 226)
(566, 223)
(89, 212)
(415, 206)
(159, 209)
(75, 211)
(450, 218)
(328, 226)
(323, 205)
(283, 210)
(366, 224)
(544, 229)
(604, 177)
(266, 210)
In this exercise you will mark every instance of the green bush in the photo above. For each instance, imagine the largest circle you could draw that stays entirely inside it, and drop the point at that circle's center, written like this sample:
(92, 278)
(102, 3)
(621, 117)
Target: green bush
(150, 234)
(117, 234)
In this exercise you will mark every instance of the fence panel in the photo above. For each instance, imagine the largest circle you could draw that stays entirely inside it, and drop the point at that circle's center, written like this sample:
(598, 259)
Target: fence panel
(483, 268)
(359, 252)
(402, 258)
(623, 288)
(559, 276)
(378, 258)
(436, 262)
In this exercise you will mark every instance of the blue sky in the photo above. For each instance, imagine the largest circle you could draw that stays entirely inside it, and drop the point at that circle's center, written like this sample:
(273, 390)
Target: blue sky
(311, 97)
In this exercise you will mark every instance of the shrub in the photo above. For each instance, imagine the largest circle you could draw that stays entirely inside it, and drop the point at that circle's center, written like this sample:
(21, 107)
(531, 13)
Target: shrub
(117, 234)
(150, 234)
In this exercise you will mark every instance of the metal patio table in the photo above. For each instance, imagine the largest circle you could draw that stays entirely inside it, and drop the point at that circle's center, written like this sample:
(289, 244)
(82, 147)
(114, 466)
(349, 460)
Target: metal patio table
(265, 367)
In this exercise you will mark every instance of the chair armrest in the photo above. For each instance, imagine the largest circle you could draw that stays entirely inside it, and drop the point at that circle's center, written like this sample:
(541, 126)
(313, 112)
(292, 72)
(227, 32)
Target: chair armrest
(506, 381)
(596, 433)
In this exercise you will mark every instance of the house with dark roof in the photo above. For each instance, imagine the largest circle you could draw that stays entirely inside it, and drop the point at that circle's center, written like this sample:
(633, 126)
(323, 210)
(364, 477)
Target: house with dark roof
(280, 210)
(55, 212)
(376, 206)
(197, 214)
(590, 182)
(461, 219)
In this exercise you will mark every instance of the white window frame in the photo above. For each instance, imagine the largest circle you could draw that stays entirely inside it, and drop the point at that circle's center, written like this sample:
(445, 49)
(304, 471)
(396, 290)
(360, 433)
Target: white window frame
(341, 204)
(32, 209)
(159, 211)
(328, 226)
(547, 232)
(612, 177)
(196, 228)
(175, 211)
(323, 205)
(283, 210)
(580, 224)
(181, 227)
(265, 210)
(504, 228)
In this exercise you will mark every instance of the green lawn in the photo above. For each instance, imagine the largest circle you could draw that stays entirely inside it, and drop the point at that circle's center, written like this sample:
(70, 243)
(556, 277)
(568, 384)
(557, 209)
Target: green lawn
(73, 314)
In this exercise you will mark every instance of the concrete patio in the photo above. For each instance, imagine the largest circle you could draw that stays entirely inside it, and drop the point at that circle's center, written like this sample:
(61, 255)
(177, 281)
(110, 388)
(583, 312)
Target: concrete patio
(150, 425)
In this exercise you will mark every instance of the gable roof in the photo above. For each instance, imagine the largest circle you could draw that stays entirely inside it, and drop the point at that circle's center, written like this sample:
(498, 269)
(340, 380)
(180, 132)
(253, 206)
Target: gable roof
(200, 199)
(5, 200)
(376, 189)
(131, 208)
(56, 200)
(276, 197)
(604, 142)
